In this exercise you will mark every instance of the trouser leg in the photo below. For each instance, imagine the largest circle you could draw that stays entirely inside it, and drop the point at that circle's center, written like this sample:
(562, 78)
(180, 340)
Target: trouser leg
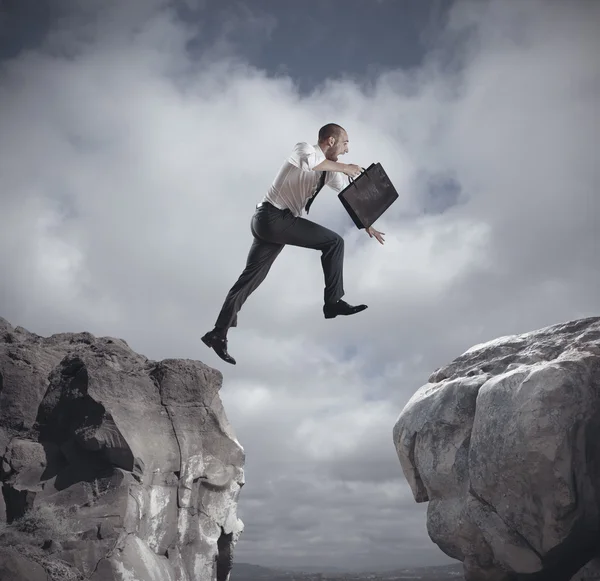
(260, 259)
(281, 227)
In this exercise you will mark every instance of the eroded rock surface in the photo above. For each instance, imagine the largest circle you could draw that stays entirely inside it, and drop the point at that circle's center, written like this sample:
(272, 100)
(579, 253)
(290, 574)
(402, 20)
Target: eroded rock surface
(504, 444)
(139, 452)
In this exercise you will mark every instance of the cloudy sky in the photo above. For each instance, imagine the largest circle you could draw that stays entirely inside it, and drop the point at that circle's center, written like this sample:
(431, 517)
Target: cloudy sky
(136, 139)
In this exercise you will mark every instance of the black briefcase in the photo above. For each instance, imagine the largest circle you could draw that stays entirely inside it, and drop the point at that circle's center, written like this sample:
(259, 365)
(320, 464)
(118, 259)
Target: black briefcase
(368, 196)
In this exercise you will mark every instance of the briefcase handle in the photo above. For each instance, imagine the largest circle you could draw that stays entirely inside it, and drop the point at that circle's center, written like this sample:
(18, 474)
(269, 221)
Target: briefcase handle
(351, 179)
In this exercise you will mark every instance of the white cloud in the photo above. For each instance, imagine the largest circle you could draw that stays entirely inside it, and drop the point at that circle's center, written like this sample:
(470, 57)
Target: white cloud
(130, 175)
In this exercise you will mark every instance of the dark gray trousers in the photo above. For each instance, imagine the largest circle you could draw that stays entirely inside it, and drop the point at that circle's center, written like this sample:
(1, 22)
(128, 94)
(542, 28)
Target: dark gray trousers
(272, 229)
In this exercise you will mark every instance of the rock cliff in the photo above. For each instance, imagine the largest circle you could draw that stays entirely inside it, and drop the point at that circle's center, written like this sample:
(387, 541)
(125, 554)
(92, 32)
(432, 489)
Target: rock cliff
(504, 444)
(113, 467)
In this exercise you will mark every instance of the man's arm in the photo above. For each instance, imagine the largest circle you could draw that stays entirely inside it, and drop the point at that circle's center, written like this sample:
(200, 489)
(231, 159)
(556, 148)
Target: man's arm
(349, 169)
(305, 157)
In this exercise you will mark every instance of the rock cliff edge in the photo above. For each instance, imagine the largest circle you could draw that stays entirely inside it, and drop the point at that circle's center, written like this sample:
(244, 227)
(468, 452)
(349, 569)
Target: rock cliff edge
(136, 456)
(504, 444)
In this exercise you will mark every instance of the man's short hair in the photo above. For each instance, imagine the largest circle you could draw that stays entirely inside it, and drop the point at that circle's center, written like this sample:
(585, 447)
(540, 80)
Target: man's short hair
(330, 130)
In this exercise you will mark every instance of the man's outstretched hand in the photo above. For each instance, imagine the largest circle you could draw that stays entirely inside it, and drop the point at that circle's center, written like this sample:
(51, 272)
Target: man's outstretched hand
(378, 235)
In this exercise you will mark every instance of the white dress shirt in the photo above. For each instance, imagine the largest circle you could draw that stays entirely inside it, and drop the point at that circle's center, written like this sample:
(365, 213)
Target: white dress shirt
(297, 180)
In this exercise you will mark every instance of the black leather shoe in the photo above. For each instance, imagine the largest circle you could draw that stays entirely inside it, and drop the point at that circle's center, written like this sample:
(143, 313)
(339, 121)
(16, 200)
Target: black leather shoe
(341, 308)
(219, 344)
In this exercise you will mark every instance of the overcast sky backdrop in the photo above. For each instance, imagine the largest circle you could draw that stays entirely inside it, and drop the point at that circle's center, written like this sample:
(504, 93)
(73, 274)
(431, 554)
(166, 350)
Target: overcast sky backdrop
(136, 138)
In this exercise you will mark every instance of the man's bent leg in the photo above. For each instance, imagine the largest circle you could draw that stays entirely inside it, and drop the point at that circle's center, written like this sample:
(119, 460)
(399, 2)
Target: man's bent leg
(297, 231)
(307, 234)
(260, 259)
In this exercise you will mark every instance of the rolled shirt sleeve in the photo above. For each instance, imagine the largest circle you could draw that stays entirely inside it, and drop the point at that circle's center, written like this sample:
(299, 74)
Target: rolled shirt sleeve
(306, 156)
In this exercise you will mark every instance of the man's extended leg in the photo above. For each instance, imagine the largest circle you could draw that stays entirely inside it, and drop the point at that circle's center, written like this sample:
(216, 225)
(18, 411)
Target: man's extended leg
(259, 261)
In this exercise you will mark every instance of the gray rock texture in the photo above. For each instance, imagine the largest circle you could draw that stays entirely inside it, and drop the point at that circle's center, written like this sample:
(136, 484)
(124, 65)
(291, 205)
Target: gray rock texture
(504, 445)
(138, 454)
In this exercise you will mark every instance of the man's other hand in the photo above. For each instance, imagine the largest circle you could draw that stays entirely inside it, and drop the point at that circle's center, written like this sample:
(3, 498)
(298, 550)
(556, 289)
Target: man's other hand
(378, 235)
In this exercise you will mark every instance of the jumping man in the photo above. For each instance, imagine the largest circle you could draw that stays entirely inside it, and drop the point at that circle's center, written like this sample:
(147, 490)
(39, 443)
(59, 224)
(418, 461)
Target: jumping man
(277, 222)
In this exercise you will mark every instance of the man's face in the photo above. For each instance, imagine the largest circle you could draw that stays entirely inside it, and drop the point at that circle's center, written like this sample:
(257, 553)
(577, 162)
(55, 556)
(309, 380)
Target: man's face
(340, 147)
